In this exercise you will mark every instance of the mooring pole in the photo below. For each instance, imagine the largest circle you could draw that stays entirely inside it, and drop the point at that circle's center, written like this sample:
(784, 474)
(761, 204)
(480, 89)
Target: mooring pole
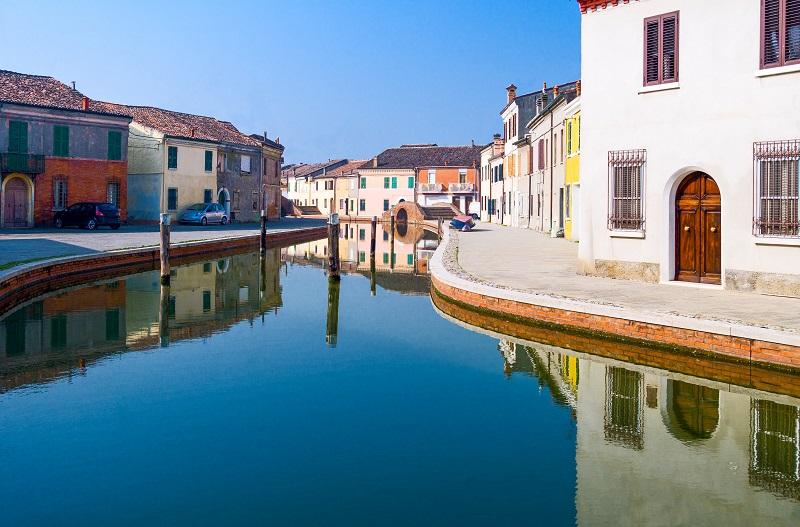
(164, 248)
(391, 243)
(163, 315)
(374, 227)
(263, 243)
(439, 229)
(332, 322)
(333, 246)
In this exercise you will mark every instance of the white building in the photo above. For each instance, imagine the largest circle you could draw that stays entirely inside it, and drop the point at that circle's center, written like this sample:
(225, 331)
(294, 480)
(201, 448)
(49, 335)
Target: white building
(690, 142)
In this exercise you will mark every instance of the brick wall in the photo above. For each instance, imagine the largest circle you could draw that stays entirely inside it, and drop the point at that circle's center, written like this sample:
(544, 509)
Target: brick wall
(87, 180)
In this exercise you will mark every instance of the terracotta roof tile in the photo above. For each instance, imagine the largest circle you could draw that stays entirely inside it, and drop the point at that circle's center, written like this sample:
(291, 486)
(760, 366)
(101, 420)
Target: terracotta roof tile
(418, 156)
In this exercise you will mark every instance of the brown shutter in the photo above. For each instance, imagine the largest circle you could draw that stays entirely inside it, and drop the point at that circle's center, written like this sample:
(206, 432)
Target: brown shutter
(770, 31)
(792, 28)
(541, 154)
(651, 42)
(669, 48)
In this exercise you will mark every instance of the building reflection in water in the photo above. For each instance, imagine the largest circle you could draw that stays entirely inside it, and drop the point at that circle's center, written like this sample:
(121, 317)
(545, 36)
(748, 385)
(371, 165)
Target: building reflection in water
(656, 447)
(50, 336)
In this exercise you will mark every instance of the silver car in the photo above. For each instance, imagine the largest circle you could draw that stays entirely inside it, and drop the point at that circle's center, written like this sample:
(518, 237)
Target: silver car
(204, 213)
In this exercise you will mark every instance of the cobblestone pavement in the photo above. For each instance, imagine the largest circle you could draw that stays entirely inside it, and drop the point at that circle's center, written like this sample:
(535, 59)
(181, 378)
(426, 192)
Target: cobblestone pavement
(17, 245)
(524, 260)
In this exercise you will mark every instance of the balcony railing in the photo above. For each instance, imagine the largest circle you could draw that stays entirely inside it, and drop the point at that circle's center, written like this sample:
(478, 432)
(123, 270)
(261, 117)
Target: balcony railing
(462, 187)
(431, 187)
(24, 163)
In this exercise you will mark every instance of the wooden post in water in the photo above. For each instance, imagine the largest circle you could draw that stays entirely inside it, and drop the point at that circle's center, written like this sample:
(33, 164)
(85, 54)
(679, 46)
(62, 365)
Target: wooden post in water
(163, 316)
(332, 322)
(164, 248)
(391, 243)
(333, 247)
(439, 229)
(263, 243)
(374, 226)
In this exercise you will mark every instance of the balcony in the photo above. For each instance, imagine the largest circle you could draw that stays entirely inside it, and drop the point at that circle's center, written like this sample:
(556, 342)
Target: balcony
(461, 187)
(24, 163)
(431, 187)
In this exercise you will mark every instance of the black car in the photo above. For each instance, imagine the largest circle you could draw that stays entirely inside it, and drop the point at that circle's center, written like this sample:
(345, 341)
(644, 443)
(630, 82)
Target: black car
(89, 216)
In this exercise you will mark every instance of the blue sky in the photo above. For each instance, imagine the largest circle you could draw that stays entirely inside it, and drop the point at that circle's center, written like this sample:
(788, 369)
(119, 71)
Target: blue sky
(332, 79)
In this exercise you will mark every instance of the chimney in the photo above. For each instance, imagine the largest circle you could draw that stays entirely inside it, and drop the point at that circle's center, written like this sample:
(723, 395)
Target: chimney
(512, 93)
(265, 135)
(544, 87)
(278, 140)
(73, 85)
(473, 143)
(192, 132)
(85, 104)
(497, 144)
(578, 88)
(375, 162)
(555, 91)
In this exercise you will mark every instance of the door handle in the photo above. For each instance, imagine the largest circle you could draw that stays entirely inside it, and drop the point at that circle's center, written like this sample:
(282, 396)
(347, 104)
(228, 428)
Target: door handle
(713, 229)
(686, 228)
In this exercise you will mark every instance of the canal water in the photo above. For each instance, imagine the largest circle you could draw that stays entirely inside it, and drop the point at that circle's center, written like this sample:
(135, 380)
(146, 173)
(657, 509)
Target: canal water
(251, 391)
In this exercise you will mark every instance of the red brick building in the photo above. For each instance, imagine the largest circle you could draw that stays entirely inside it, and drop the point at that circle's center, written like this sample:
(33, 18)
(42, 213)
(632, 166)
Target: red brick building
(57, 148)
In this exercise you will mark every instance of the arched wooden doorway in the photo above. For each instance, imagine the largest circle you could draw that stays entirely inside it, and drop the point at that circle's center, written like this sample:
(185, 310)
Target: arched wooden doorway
(16, 203)
(692, 410)
(698, 230)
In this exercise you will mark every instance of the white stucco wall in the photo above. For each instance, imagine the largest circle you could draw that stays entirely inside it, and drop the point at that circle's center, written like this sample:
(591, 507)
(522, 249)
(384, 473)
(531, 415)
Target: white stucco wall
(719, 107)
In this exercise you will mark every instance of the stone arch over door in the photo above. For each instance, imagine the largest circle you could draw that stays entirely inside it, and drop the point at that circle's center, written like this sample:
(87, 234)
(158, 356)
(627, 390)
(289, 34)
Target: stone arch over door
(698, 230)
(224, 199)
(16, 201)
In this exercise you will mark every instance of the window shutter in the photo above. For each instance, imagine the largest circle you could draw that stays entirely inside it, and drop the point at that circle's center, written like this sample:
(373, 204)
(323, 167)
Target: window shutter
(209, 160)
(651, 42)
(770, 52)
(669, 48)
(18, 137)
(541, 154)
(792, 37)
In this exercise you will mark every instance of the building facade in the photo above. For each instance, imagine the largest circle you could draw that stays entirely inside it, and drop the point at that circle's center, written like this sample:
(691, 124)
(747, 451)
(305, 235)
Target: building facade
(57, 148)
(685, 178)
(240, 172)
(572, 181)
(272, 157)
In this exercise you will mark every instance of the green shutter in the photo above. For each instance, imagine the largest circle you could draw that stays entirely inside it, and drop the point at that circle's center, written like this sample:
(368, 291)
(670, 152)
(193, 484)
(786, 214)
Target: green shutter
(209, 160)
(114, 146)
(61, 141)
(394, 182)
(410, 259)
(386, 258)
(386, 182)
(172, 157)
(18, 137)
(363, 182)
(411, 182)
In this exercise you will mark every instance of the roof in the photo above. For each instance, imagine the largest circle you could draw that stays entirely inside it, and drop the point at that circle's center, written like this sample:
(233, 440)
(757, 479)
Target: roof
(267, 142)
(587, 5)
(567, 92)
(416, 156)
(181, 125)
(347, 169)
(47, 92)
(302, 170)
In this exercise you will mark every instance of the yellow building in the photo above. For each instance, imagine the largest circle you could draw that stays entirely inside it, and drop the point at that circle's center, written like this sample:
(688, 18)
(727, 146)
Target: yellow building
(572, 198)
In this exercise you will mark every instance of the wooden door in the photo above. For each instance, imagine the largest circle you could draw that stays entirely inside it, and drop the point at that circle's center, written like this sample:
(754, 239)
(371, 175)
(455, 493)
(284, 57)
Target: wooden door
(15, 213)
(698, 230)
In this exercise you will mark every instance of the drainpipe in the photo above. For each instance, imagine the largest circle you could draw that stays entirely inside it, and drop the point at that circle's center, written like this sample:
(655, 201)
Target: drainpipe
(530, 182)
(552, 149)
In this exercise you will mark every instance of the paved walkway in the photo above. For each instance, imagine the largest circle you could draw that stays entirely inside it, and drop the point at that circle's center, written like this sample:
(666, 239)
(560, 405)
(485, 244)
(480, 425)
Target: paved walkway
(17, 245)
(525, 260)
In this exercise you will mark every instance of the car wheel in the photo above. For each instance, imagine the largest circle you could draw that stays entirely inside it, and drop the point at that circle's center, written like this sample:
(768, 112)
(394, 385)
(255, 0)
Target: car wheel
(91, 224)
(223, 221)
(59, 223)
(204, 221)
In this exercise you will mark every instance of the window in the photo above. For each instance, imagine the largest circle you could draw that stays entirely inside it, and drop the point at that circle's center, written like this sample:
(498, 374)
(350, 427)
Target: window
(394, 182)
(567, 211)
(541, 154)
(172, 157)
(112, 192)
(385, 204)
(172, 199)
(623, 420)
(254, 199)
(362, 205)
(325, 203)
(61, 141)
(411, 182)
(661, 49)
(410, 259)
(776, 184)
(386, 258)
(18, 137)
(386, 182)
(114, 146)
(244, 164)
(236, 200)
(60, 193)
(569, 137)
(362, 234)
(462, 175)
(207, 267)
(209, 160)
(626, 170)
(363, 181)
(431, 177)
(385, 236)
(208, 196)
(780, 32)
(362, 256)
